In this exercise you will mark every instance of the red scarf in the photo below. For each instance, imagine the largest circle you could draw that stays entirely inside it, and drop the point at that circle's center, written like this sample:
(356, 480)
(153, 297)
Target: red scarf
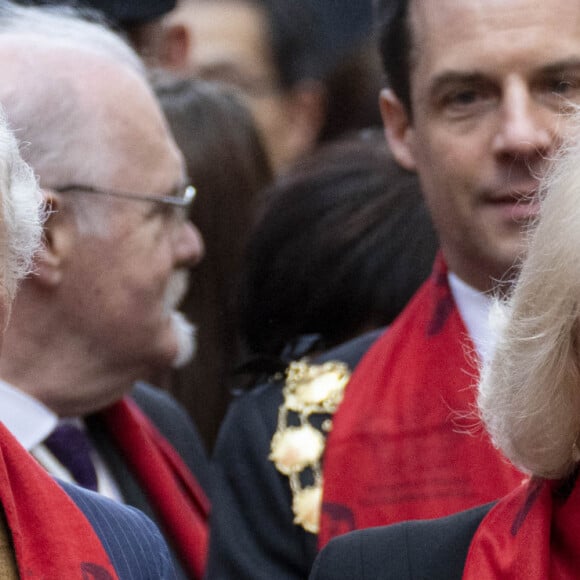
(533, 533)
(399, 449)
(174, 493)
(52, 538)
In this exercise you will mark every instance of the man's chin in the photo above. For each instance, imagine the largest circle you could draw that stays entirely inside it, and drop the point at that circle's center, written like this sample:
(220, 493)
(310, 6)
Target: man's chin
(185, 335)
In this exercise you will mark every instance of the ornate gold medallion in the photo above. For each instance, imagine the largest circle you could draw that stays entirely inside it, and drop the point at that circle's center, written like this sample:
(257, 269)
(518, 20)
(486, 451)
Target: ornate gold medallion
(311, 393)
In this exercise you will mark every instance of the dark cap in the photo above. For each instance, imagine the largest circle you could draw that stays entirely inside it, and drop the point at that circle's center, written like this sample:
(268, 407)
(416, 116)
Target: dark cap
(132, 11)
(119, 12)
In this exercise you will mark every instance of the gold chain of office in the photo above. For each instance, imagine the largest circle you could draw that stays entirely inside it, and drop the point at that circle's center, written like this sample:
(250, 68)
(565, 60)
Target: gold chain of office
(312, 394)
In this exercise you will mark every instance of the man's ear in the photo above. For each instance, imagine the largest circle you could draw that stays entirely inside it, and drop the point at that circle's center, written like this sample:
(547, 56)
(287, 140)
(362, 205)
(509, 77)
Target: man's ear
(306, 108)
(56, 243)
(175, 47)
(398, 129)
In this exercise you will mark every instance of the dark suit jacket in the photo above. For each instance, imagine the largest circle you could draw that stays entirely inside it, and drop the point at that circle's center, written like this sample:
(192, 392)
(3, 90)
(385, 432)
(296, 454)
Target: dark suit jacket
(417, 550)
(253, 535)
(176, 425)
(133, 543)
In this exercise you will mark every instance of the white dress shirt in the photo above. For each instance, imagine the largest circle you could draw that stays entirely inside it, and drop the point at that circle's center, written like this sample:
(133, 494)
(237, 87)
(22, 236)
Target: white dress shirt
(474, 307)
(31, 422)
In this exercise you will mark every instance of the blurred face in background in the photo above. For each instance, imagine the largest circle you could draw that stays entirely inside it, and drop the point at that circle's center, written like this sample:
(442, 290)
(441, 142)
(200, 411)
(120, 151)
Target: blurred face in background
(230, 44)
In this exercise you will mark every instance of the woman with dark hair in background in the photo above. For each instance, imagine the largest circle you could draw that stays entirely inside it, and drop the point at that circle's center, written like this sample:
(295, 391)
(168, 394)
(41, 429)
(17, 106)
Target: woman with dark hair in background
(227, 164)
(343, 241)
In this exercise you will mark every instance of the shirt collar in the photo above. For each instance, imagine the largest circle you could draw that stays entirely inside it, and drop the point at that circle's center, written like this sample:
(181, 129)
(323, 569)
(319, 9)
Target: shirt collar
(474, 307)
(29, 420)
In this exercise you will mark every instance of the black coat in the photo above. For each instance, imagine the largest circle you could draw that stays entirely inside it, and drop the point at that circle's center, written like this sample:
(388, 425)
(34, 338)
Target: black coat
(417, 550)
(253, 535)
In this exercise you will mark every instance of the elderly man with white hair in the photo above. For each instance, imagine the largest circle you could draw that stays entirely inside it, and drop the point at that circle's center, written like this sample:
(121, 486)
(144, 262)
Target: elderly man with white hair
(43, 534)
(100, 313)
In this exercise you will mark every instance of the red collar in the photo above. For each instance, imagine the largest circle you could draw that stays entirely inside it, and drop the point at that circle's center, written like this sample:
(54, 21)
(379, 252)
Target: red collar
(405, 442)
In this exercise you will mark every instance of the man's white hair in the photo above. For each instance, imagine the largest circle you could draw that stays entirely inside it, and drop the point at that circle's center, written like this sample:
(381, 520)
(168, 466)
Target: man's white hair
(22, 213)
(529, 392)
(53, 132)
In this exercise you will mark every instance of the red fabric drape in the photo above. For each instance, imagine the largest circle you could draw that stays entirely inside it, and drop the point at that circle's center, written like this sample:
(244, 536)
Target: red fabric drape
(406, 442)
(533, 533)
(180, 502)
(52, 538)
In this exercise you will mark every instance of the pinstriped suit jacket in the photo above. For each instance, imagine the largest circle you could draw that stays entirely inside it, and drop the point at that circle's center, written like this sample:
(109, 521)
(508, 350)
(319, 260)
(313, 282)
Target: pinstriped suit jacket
(133, 543)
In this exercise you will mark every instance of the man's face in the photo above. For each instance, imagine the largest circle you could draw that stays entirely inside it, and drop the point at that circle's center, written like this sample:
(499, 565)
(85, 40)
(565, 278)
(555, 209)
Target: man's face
(231, 45)
(123, 283)
(489, 82)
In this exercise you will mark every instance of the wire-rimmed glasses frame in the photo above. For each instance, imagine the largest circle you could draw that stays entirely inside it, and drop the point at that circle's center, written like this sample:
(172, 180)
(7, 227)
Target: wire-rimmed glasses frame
(184, 199)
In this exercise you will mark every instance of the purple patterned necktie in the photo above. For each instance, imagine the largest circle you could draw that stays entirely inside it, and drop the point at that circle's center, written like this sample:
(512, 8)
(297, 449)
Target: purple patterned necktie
(71, 446)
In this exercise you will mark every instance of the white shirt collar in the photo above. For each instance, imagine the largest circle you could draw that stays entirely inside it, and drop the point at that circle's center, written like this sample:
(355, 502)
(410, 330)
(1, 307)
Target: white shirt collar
(474, 307)
(31, 422)
(26, 418)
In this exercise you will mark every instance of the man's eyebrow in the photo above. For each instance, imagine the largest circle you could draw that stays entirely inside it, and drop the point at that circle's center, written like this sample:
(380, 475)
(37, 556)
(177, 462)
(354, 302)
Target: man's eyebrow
(446, 78)
(565, 65)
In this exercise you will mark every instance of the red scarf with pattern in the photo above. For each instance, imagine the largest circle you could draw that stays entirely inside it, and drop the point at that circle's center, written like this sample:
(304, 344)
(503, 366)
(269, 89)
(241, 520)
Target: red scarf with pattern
(533, 533)
(52, 537)
(176, 496)
(405, 442)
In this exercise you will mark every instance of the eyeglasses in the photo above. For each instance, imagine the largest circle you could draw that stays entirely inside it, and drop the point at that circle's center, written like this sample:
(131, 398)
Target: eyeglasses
(183, 196)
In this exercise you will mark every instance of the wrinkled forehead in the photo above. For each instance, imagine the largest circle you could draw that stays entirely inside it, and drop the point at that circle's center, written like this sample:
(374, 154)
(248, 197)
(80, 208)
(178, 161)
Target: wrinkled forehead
(102, 110)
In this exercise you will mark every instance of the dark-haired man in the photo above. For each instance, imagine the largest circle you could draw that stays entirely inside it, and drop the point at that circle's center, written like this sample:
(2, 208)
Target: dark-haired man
(475, 107)
(477, 92)
(528, 399)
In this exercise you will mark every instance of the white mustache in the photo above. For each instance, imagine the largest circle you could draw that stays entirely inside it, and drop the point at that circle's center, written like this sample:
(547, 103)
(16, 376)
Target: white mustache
(185, 333)
(176, 289)
(184, 330)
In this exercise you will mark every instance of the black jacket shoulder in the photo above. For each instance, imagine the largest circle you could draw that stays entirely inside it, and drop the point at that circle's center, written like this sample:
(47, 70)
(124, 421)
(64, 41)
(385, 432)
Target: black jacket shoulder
(416, 550)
